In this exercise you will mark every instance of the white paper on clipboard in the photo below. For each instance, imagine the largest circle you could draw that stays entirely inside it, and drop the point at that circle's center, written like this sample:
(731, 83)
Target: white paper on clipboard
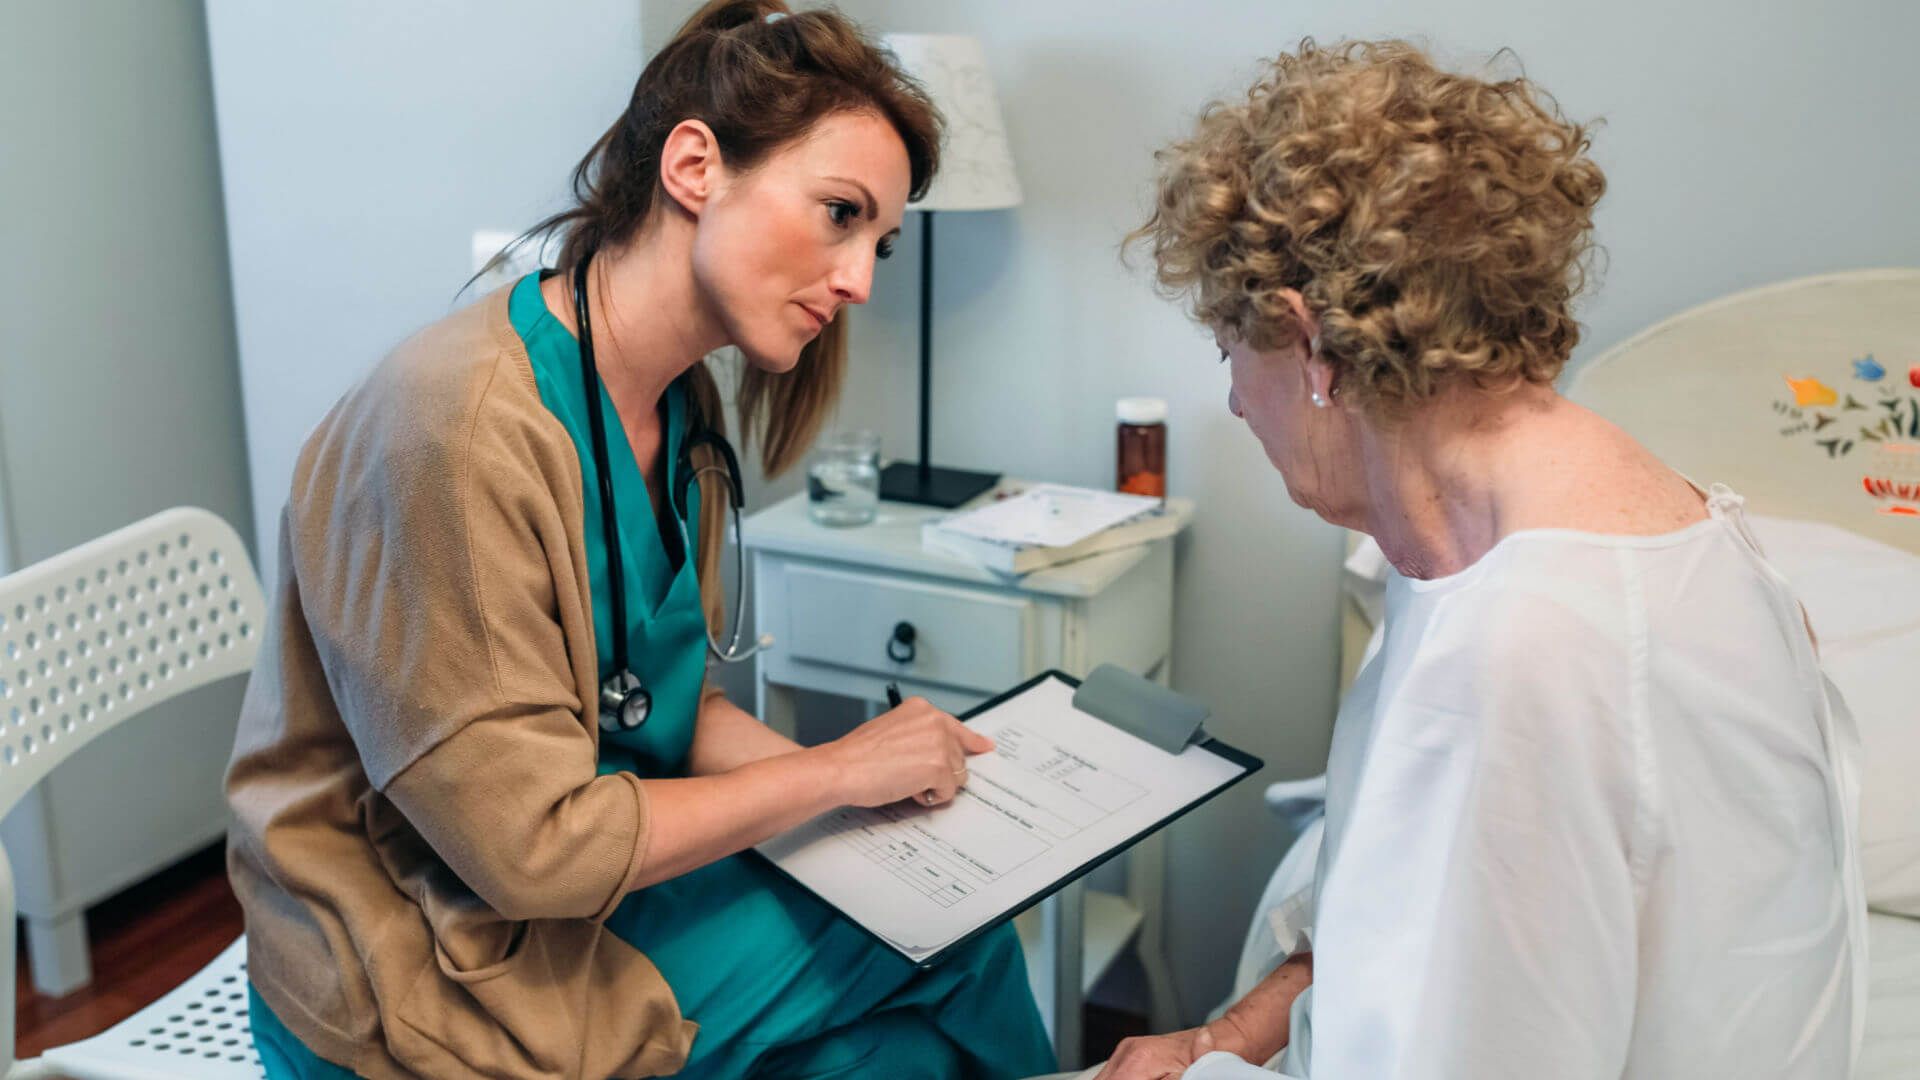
(1059, 790)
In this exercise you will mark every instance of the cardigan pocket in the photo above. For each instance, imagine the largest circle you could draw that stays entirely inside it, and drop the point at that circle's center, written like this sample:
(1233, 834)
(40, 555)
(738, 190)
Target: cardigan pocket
(454, 1022)
(562, 1005)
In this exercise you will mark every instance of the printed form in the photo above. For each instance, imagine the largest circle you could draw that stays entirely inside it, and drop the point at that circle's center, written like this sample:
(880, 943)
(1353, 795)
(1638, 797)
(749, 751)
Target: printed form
(1059, 789)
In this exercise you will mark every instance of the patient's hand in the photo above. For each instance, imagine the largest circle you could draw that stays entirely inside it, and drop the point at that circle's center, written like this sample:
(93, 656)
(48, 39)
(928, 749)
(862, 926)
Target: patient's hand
(1153, 1057)
(1254, 1029)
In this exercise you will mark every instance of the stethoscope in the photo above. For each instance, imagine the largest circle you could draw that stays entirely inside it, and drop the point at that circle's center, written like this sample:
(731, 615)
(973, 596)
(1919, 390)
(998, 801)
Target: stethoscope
(624, 702)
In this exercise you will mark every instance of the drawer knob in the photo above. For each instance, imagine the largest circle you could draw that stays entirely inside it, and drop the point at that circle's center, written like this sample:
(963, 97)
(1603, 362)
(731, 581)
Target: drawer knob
(900, 648)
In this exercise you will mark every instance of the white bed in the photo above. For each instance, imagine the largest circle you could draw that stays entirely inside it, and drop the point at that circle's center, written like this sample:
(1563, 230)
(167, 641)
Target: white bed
(1804, 397)
(1893, 1000)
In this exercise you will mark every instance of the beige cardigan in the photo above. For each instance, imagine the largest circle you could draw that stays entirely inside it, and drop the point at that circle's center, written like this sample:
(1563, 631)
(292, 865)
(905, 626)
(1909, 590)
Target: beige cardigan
(422, 846)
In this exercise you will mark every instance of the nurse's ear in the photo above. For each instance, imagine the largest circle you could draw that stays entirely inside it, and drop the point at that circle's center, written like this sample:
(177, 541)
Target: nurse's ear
(690, 168)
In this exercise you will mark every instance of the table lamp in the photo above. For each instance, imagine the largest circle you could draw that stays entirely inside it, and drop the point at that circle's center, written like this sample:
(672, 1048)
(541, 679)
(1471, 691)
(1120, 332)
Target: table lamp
(976, 173)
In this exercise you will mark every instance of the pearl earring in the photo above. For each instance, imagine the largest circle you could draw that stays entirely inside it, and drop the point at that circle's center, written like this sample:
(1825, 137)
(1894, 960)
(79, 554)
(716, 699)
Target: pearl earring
(1318, 400)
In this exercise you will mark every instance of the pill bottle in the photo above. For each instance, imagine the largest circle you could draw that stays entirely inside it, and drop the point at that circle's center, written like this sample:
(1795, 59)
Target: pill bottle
(1142, 458)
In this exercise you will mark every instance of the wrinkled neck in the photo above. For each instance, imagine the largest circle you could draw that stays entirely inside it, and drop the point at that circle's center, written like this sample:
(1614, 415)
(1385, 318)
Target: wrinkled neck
(1444, 484)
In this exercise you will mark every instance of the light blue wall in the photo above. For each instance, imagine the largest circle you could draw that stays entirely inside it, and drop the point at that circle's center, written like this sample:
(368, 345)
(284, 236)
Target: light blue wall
(117, 394)
(362, 143)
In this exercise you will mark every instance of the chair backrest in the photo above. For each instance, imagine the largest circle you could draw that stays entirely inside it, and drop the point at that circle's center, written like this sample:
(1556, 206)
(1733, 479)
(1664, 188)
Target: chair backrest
(98, 634)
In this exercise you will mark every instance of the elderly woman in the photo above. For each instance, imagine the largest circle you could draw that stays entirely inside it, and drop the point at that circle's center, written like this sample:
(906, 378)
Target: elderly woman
(1583, 806)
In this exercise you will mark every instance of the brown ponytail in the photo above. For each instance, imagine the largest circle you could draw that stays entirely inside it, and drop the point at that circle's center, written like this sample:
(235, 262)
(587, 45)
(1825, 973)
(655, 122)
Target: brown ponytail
(758, 85)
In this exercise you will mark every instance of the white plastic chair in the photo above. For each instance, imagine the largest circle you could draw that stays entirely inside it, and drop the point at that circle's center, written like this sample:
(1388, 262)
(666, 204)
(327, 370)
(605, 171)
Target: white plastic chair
(89, 639)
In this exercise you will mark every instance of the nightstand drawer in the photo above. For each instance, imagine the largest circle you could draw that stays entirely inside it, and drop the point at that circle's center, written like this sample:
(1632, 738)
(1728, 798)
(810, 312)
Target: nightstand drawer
(972, 638)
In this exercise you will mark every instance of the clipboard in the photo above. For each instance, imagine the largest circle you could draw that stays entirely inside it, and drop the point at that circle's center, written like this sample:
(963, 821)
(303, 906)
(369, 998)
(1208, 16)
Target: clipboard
(1159, 710)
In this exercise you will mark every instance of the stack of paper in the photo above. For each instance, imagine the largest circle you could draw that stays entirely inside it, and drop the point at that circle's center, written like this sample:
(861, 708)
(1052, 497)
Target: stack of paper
(1048, 524)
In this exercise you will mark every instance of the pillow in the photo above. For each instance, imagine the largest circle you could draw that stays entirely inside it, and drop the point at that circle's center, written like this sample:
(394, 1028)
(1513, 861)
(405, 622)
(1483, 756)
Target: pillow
(1863, 599)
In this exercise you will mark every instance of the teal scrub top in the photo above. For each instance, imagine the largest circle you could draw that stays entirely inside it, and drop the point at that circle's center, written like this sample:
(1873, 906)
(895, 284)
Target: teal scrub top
(666, 626)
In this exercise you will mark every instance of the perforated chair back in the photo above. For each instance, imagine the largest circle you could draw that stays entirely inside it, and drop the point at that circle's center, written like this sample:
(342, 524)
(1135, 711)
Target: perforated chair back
(92, 638)
(96, 635)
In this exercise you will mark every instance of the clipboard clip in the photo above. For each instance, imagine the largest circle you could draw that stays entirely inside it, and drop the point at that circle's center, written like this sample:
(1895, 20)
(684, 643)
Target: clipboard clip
(1141, 708)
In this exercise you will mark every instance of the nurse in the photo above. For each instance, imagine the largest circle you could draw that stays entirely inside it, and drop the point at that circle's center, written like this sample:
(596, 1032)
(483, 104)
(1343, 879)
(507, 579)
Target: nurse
(1590, 805)
(454, 859)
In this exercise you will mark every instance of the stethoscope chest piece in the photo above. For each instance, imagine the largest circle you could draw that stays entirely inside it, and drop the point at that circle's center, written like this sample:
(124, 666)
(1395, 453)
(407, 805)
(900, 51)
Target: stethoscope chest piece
(624, 703)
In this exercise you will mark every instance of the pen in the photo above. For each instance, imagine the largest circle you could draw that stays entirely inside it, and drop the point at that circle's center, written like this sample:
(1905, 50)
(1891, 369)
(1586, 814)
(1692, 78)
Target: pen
(893, 695)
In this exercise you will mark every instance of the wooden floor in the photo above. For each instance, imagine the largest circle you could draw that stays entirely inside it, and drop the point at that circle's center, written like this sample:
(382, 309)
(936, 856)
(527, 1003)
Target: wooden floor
(146, 941)
(155, 935)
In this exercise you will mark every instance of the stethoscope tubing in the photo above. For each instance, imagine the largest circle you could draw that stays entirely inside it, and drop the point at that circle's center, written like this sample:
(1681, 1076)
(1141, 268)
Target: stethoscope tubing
(609, 516)
(623, 682)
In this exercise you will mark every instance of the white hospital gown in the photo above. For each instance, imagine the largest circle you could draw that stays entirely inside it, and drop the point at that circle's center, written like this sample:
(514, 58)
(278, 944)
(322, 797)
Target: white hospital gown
(1590, 814)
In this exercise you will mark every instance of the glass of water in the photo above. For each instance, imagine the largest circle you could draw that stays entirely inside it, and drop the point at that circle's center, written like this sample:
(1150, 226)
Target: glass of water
(843, 480)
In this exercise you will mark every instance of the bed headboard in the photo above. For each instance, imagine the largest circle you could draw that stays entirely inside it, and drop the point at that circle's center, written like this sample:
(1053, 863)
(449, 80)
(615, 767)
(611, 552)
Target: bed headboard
(1803, 396)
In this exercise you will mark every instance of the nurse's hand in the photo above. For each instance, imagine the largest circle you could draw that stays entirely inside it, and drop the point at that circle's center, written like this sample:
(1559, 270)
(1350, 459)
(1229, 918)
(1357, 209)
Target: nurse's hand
(914, 751)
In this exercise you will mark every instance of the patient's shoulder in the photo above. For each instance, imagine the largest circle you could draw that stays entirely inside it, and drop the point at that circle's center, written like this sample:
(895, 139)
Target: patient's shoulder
(1538, 630)
(1528, 597)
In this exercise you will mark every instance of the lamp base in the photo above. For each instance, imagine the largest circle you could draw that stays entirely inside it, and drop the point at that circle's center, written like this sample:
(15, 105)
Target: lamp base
(908, 482)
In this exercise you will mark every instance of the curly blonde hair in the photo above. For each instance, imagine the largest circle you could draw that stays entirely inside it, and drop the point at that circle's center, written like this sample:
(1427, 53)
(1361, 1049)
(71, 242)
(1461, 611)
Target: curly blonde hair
(1436, 225)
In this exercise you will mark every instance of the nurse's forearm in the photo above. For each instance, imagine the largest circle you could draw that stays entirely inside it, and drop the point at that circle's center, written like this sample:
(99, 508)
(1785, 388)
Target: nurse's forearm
(702, 819)
(725, 737)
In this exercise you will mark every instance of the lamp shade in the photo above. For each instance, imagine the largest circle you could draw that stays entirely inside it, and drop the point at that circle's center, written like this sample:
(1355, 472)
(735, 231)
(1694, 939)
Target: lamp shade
(976, 167)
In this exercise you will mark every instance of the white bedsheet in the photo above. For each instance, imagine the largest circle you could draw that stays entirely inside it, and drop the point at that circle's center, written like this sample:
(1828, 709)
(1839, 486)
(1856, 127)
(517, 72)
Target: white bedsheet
(1892, 1050)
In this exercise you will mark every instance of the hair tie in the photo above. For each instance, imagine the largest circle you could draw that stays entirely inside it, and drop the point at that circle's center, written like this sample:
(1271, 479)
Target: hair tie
(775, 16)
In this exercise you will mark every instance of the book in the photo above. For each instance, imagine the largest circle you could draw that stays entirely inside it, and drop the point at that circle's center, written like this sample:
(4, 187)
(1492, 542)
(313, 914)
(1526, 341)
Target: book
(1062, 791)
(1050, 524)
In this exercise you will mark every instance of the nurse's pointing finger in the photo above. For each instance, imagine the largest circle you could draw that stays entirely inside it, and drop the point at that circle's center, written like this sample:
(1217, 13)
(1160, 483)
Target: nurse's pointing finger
(970, 740)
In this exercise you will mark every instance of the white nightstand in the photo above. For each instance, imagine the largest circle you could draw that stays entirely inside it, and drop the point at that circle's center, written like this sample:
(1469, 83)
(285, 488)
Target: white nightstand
(833, 599)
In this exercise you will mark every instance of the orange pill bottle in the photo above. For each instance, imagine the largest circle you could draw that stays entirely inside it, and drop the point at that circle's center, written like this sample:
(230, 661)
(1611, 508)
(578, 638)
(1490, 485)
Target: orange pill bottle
(1142, 459)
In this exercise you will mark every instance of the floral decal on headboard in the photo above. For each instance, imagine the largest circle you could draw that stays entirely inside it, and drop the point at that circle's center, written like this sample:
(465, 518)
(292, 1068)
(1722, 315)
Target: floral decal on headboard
(1868, 412)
